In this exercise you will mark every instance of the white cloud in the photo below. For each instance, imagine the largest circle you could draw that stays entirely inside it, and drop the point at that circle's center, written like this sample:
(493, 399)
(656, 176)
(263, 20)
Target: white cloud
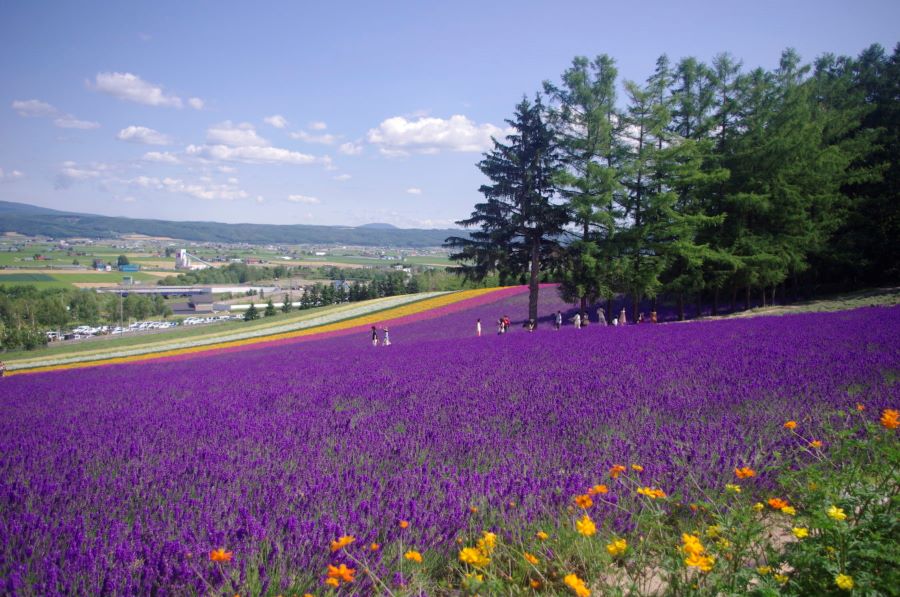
(72, 172)
(33, 107)
(414, 191)
(10, 176)
(132, 88)
(431, 135)
(342, 177)
(351, 148)
(142, 134)
(276, 120)
(36, 108)
(67, 121)
(325, 139)
(318, 125)
(255, 155)
(161, 157)
(303, 199)
(259, 199)
(226, 169)
(205, 189)
(196, 103)
(240, 135)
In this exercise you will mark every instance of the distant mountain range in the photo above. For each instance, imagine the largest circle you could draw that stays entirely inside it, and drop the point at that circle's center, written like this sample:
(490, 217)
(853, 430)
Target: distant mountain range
(31, 220)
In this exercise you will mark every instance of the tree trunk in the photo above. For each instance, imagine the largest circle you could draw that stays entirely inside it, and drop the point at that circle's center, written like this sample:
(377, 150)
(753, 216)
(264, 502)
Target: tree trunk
(733, 298)
(635, 304)
(715, 303)
(680, 306)
(583, 309)
(533, 283)
(763, 294)
(699, 304)
(609, 311)
(747, 299)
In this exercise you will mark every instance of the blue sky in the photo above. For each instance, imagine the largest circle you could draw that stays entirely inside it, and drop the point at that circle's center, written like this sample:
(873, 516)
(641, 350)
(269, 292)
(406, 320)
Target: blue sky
(345, 113)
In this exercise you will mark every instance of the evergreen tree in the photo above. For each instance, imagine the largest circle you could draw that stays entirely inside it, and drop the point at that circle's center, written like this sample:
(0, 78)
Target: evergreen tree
(519, 224)
(270, 308)
(252, 313)
(287, 303)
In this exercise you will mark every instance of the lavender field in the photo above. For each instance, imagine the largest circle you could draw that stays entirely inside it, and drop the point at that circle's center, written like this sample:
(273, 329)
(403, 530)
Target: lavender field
(122, 479)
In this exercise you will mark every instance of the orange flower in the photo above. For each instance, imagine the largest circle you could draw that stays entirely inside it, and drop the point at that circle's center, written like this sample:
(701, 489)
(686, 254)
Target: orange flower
(890, 418)
(616, 470)
(220, 555)
(530, 559)
(651, 493)
(815, 444)
(790, 425)
(413, 556)
(542, 535)
(342, 542)
(374, 547)
(637, 468)
(860, 407)
(598, 489)
(333, 582)
(404, 524)
(583, 501)
(777, 503)
(745, 472)
(473, 509)
(341, 573)
(535, 584)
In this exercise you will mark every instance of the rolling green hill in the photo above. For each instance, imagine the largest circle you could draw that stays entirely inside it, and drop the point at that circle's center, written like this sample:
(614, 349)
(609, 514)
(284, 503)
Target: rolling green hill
(31, 220)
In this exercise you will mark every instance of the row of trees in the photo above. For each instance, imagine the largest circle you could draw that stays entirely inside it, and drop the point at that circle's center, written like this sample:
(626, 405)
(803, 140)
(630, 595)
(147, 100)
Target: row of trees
(711, 182)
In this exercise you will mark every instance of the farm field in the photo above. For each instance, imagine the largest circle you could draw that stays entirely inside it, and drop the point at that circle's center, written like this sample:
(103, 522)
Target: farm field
(120, 479)
(70, 279)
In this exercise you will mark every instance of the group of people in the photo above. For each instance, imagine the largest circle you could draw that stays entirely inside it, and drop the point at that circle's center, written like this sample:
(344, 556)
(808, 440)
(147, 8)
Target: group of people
(386, 336)
(577, 320)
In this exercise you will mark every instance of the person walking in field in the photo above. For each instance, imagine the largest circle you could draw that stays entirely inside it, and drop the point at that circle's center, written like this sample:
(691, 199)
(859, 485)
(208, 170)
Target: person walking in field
(622, 319)
(387, 337)
(500, 326)
(601, 315)
(652, 316)
(557, 323)
(478, 327)
(577, 321)
(374, 336)
(506, 323)
(2, 368)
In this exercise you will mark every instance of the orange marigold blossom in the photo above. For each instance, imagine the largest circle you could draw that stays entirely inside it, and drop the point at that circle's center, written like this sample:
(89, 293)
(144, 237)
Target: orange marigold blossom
(745, 472)
(860, 407)
(531, 559)
(220, 555)
(413, 556)
(616, 470)
(341, 572)
(890, 418)
(815, 444)
(598, 489)
(535, 584)
(332, 582)
(542, 535)
(473, 557)
(473, 509)
(704, 563)
(404, 524)
(342, 542)
(777, 503)
(651, 492)
(637, 468)
(790, 425)
(583, 501)
(577, 585)
(374, 547)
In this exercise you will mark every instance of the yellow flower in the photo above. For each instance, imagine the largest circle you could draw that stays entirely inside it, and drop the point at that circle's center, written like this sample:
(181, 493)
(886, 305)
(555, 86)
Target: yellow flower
(584, 501)
(800, 532)
(836, 513)
(844, 581)
(413, 556)
(890, 419)
(651, 493)
(487, 543)
(404, 524)
(586, 526)
(790, 425)
(789, 510)
(723, 543)
(764, 570)
(535, 584)
(713, 531)
(637, 468)
(617, 547)
(691, 544)
(598, 489)
(342, 542)
(542, 535)
(616, 470)
(333, 582)
(530, 559)
(781, 579)
(473, 557)
(577, 585)
(732, 488)
(745, 472)
(815, 444)
(704, 563)
(758, 507)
